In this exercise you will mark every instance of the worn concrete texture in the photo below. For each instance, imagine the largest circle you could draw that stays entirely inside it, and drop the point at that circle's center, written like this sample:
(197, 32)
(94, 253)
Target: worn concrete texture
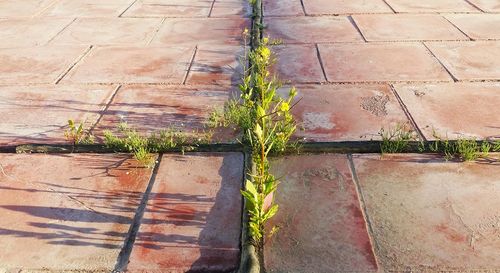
(320, 224)
(431, 215)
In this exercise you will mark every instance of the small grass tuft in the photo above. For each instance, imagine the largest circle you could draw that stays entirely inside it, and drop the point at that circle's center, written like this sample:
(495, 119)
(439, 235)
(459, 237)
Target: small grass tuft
(78, 134)
(396, 139)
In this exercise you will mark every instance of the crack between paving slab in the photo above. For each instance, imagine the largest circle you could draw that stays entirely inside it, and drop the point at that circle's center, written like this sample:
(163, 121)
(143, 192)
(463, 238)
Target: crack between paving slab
(40, 12)
(407, 113)
(301, 4)
(81, 57)
(124, 255)
(351, 19)
(123, 12)
(157, 29)
(441, 63)
(465, 34)
(211, 9)
(190, 65)
(393, 10)
(361, 200)
(104, 109)
(475, 6)
(321, 62)
(63, 29)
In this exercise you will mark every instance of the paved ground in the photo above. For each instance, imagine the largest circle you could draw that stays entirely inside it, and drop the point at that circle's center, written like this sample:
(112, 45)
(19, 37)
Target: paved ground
(359, 65)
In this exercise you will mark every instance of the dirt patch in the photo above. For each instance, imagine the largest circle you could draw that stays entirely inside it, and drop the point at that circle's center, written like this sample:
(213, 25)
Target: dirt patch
(375, 105)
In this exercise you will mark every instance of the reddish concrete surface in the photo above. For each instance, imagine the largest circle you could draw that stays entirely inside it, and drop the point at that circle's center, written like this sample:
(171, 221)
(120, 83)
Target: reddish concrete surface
(37, 64)
(345, 112)
(214, 31)
(423, 6)
(27, 8)
(428, 215)
(218, 65)
(332, 7)
(469, 61)
(66, 212)
(405, 27)
(282, 8)
(30, 32)
(312, 29)
(192, 220)
(39, 114)
(109, 31)
(380, 62)
(170, 8)
(137, 65)
(298, 64)
(87, 8)
(477, 26)
(454, 110)
(231, 8)
(321, 225)
(150, 109)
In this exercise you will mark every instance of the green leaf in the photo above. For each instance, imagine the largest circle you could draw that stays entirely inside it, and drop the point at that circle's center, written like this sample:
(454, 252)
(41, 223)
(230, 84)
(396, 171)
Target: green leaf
(270, 213)
(251, 188)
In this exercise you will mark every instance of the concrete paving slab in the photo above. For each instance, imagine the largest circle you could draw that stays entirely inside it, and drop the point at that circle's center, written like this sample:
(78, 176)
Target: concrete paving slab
(406, 27)
(22, 9)
(298, 64)
(477, 26)
(304, 29)
(192, 220)
(469, 61)
(30, 32)
(30, 65)
(423, 6)
(170, 8)
(123, 64)
(454, 110)
(487, 5)
(380, 62)
(321, 225)
(282, 8)
(109, 31)
(40, 113)
(429, 215)
(88, 8)
(219, 65)
(153, 108)
(202, 31)
(345, 112)
(67, 212)
(332, 7)
(231, 8)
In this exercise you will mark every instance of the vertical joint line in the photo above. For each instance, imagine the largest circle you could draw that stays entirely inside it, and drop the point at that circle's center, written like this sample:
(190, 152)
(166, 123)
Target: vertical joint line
(105, 108)
(407, 113)
(211, 9)
(303, 7)
(131, 4)
(124, 255)
(362, 203)
(156, 31)
(475, 6)
(321, 62)
(393, 10)
(63, 29)
(190, 66)
(81, 57)
(351, 19)
(441, 63)
(465, 34)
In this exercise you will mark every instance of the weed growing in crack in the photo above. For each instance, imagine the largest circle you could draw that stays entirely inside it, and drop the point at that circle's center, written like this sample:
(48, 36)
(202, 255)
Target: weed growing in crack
(267, 125)
(129, 140)
(466, 149)
(78, 134)
(396, 139)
